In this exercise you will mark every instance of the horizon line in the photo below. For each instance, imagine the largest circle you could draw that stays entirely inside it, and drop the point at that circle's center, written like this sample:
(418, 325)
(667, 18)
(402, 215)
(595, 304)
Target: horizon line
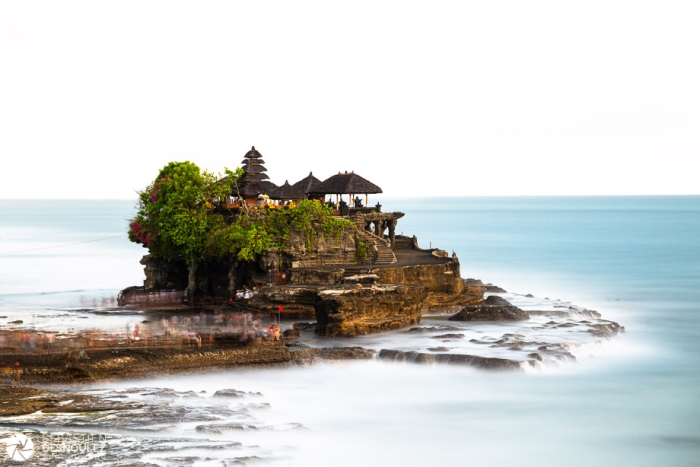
(409, 197)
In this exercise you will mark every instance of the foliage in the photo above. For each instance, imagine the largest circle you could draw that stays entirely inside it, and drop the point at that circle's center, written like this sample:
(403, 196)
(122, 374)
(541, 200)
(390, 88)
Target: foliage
(310, 213)
(361, 250)
(251, 234)
(233, 176)
(175, 215)
(176, 219)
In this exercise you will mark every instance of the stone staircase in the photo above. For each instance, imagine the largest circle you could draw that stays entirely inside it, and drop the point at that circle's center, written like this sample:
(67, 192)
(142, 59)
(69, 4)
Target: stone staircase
(383, 254)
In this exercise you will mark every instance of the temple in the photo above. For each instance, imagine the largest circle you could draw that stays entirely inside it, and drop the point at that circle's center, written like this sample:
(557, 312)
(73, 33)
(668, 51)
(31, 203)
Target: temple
(362, 280)
(254, 190)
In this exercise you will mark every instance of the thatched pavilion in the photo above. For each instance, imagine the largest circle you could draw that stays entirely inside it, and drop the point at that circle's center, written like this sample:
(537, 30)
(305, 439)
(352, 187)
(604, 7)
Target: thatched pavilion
(348, 183)
(307, 183)
(287, 192)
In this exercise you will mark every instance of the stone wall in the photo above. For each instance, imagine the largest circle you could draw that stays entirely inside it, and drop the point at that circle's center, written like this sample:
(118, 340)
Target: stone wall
(316, 276)
(326, 251)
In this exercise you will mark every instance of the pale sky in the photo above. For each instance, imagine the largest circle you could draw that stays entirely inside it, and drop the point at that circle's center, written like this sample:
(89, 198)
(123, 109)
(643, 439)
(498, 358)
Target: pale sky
(422, 98)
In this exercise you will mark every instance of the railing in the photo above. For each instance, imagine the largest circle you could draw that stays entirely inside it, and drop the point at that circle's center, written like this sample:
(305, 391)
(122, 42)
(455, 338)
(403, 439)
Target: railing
(364, 210)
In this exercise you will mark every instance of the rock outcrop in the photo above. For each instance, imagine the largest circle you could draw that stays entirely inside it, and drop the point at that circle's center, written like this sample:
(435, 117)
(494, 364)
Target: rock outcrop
(484, 363)
(494, 308)
(298, 301)
(316, 276)
(164, 274)
(353, 310)
(442, 281)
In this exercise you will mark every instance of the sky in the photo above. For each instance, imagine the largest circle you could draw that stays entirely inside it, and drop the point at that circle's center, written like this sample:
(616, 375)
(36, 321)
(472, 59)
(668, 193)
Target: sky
(465, 98)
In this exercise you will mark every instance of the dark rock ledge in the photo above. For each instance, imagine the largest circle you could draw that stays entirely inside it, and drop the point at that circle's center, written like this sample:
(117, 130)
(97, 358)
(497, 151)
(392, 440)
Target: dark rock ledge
(494, 308)
(484, 363)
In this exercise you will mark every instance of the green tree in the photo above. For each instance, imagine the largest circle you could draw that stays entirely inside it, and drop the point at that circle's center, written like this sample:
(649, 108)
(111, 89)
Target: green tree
(175, 214)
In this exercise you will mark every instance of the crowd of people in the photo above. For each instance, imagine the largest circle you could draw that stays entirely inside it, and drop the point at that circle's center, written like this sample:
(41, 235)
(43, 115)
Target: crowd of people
(195, 330)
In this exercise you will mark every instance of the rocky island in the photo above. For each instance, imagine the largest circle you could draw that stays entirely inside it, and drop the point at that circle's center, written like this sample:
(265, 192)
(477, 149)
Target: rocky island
(241, 273)
(233, 261)
(340, 263)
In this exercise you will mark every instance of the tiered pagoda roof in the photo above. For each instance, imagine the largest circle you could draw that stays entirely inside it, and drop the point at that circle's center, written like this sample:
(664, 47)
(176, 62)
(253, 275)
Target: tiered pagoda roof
(254, 180)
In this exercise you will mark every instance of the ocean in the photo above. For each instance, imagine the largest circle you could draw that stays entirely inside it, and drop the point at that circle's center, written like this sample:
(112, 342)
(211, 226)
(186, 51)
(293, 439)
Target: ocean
(630, 400)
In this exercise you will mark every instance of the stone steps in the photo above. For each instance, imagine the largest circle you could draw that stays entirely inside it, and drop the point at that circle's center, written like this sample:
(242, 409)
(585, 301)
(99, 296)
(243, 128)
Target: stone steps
(384, 253)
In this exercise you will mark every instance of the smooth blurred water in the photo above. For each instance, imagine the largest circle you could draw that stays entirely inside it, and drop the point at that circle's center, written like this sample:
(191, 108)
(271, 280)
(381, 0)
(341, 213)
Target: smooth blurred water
(634, 259)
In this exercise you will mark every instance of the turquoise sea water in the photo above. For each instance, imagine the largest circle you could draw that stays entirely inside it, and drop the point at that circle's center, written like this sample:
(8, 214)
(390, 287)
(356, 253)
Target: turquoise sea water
(634, 259)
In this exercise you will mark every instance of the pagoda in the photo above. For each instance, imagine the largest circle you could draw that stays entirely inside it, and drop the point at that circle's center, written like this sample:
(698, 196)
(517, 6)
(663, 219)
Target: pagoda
(254, 182)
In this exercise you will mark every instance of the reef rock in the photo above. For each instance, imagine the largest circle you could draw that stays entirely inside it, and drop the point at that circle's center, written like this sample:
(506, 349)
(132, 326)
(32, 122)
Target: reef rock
(297, 300)
(442, 281)
(494, 308)
(484, 363)
(348, 311)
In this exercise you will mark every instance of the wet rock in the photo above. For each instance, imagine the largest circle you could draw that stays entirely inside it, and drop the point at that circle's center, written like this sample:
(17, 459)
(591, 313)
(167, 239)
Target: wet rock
(347, 312)
(449, 336)
(433, 329)
(565, 314)
(19, 321)
(346, 353)
(187, 460)
(494, 308)
(234, 393)
(438, 349)
(484, 363)
(75, 372)
(605, 329)
(309, 355)
(303, 326)
(535, 356)
(244, 461)
(298, 300)
(291, 333)
(490, 288)
(219, 429)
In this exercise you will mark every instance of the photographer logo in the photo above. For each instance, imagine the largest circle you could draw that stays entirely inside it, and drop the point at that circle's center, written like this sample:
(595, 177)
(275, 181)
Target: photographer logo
(19, 447)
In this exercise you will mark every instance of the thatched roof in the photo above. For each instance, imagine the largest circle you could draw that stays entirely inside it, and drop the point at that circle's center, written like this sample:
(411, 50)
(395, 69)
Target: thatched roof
(253, 154)
(253, 169)
(307, 183)
(254, 180)
(254, 189)
(267, 186)
(287, 191)
(345, 183)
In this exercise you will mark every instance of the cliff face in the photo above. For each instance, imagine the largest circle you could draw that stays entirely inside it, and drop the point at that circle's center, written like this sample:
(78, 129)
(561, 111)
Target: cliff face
(422, 280)
(219, 278)
(298, 301)
(164, 274)
(326, 251)
(353, 310)
(442, 281)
